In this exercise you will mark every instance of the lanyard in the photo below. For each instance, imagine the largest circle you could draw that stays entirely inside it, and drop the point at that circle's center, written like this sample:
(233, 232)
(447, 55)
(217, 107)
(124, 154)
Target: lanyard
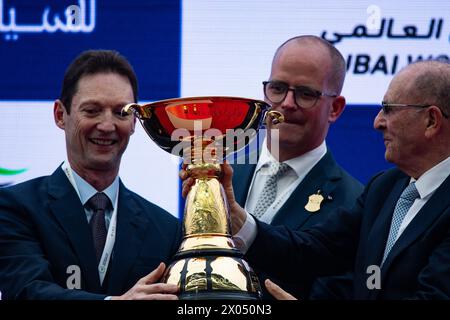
(110, 238)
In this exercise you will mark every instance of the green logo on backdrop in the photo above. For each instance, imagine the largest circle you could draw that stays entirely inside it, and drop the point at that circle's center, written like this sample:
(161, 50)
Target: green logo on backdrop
(10, 172)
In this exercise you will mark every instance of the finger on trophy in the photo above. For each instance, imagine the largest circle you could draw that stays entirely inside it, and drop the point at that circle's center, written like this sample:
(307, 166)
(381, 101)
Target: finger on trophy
(186, 187)
(227, 172)
(183, 174)
(277, 292)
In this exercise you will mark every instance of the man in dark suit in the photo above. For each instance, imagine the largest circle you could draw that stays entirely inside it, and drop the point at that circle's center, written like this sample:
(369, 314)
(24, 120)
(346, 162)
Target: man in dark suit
(80, 233)
(305, 83)
(397, 236)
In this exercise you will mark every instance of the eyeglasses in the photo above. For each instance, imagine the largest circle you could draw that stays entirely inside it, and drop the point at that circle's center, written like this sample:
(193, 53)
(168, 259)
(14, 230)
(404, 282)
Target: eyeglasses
(305, 97)
(388, 107)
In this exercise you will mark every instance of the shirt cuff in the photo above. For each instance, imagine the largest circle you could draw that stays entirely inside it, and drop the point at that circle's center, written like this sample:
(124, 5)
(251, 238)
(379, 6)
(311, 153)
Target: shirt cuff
(247, 234)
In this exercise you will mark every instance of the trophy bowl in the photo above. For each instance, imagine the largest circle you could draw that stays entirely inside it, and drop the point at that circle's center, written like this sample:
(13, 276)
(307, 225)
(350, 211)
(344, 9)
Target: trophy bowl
(204, 130)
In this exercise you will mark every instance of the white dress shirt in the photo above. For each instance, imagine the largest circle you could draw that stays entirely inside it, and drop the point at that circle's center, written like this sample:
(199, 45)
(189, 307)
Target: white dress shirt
(286, 184)
(301, 166)
(426, 186)
(86, 191)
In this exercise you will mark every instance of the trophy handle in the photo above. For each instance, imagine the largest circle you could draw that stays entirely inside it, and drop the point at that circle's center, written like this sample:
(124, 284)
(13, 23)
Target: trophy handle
(275, 116)
(143, 112)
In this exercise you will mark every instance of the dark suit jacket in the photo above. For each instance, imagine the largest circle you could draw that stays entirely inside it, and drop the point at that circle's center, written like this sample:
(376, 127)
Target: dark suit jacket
(416, 268)
(334, 182)
(44, 230)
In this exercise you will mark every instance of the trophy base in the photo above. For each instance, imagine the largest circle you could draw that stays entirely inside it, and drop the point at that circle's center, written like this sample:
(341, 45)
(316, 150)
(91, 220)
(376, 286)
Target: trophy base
(206, 253)
(213, 278)
(218, 296)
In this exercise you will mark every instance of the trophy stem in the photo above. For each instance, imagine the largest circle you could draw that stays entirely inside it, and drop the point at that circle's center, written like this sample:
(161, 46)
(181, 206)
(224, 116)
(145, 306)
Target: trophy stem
(208, 265)
(206, 223)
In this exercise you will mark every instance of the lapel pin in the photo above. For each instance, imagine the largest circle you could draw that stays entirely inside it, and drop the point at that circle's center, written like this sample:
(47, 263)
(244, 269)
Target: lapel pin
(314, 202)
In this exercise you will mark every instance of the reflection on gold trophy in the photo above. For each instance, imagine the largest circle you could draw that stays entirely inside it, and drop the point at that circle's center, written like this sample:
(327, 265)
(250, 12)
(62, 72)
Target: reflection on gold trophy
(204, 130)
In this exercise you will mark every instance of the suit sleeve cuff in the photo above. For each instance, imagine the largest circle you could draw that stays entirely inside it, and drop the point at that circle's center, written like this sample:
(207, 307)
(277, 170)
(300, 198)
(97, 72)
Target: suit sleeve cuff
(247, 234)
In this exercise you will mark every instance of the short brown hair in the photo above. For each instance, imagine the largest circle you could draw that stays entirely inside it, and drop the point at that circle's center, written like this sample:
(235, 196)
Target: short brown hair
(93, 62)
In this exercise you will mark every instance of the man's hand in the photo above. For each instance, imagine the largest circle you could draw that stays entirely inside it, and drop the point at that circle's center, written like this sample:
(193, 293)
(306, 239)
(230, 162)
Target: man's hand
(188, 182)
(237, 214)
(277, 292)
(147, 288)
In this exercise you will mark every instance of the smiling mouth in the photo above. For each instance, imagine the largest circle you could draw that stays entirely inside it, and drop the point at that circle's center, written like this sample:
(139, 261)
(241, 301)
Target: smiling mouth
(103, 142)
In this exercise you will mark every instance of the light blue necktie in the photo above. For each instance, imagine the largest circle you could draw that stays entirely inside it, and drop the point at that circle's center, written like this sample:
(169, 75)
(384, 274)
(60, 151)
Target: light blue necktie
(407, 198)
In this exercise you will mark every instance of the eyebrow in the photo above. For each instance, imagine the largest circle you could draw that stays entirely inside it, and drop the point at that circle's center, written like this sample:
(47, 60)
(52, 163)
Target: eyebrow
(309, 86)
(100, 104)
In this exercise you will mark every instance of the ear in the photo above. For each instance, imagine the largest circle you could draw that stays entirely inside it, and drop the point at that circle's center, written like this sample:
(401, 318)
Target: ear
(337, 108)
(433, 121)
(58, 113)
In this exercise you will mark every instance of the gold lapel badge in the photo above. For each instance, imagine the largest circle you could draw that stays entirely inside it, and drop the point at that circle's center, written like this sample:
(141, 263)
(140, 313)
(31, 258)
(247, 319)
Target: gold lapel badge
(314, 202)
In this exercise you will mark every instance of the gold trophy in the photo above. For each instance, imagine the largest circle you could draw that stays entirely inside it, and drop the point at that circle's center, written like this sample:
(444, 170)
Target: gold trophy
(204, 130)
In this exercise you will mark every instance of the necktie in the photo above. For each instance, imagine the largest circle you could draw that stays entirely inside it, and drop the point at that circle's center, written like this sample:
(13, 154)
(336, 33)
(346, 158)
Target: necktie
(401, 208)
(269, 192)
(98, 203)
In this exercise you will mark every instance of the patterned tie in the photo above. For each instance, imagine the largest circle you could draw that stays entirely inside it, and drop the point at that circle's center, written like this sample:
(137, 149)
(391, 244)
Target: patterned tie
(269, 192)
(407, 198)
(98, 203)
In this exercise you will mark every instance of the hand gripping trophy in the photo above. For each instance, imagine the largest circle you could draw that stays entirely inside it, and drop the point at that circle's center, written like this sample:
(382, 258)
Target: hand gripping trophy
(204, 130)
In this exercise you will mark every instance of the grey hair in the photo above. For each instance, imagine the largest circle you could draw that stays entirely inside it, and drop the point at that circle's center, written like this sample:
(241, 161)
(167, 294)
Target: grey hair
(432, 83)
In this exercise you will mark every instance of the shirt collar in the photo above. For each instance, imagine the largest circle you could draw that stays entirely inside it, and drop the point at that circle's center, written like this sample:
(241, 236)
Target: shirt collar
(300, 164)
(433, 178)
(86, 191)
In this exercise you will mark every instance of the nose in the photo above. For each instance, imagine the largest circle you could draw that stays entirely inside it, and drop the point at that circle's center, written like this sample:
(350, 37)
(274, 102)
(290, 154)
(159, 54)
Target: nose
(107, 122)
(379, 123)
(289, 100)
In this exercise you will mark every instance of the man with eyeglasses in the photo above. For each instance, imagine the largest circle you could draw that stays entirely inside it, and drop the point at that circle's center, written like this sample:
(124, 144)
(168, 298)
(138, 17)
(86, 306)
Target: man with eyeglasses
(397, 235)
(296, 181)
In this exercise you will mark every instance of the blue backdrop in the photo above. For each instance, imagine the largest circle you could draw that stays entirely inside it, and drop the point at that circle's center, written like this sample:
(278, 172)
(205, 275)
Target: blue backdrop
(356, 145)
(146, 32)
(149, 34)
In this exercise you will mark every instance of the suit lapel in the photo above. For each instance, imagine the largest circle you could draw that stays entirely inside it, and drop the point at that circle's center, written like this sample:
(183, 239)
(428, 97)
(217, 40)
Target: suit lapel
(378, 235)
(66, 207)
(131, 231)
(323, 177)
(244, 165)
(420, 223)
(242, 176)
